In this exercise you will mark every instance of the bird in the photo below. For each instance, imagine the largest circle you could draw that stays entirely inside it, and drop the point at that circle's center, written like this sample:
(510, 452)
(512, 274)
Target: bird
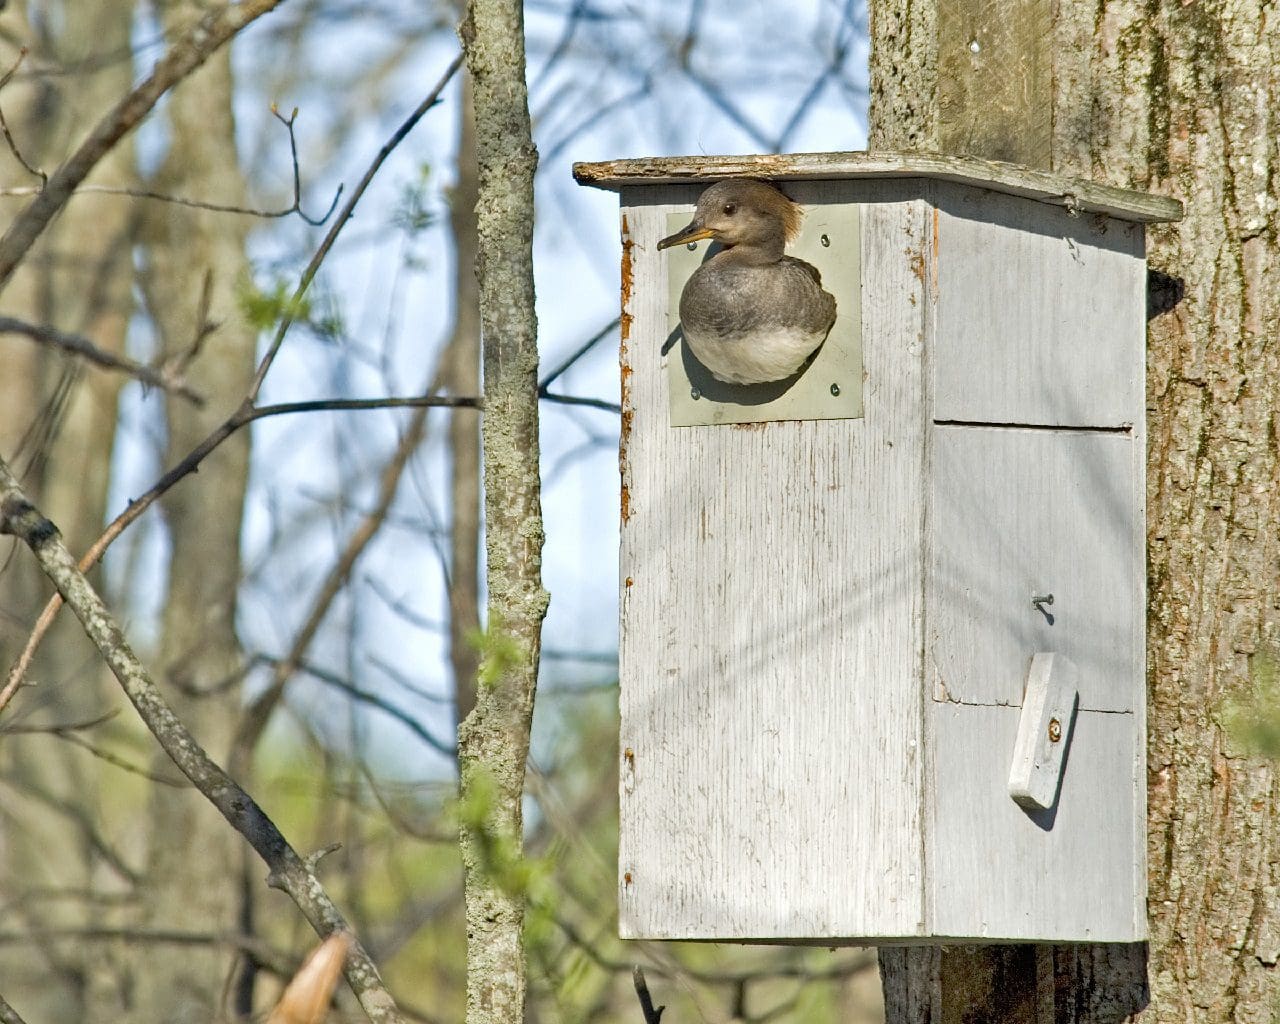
(751, 314)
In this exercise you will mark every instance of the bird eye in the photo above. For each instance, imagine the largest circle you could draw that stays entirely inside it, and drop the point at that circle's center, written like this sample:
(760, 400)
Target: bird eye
(730, 209)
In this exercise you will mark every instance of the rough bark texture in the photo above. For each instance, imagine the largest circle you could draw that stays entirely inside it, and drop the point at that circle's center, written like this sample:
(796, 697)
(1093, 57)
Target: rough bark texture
(1180, 99)
(198, 257)
(493, 741)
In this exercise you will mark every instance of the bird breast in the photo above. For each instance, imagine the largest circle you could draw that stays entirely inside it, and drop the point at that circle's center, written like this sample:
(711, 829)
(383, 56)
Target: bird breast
(751, 324)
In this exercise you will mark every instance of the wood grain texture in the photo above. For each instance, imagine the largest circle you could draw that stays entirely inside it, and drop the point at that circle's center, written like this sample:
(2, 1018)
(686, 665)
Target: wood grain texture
(993, 72)
(826, 625)
(1041, 313)
(999, 872)
(1016, 513)
(1009, 179)
(771, 632)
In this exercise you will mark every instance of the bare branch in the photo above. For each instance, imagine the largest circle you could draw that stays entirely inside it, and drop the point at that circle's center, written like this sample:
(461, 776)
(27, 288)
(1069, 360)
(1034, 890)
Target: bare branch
(4, 125)
(19, 517)
(591, 403)
(652, 1014)
(83, 347)
(8, 1015)
(244, 414)
(581, 351)
(198, 204)
(344, 215)
(188, 53)
(342, 404)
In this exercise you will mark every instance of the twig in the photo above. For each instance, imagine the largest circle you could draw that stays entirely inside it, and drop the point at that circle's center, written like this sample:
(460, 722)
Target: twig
(83, 347)
(188, 53)
(383, 705)
(581, 351)
(591, 403)
(344, 404)
(287, 870)
(344, 215)
(202, 204)
(259, 712)
(244, 414)
(4, 125)
(651, 1015)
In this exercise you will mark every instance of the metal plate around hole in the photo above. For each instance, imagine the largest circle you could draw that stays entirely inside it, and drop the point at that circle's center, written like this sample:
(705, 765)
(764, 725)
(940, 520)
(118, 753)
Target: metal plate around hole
(810, 395)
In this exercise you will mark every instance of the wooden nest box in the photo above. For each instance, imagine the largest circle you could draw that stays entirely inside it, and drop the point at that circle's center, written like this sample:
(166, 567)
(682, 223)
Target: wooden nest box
(882, 641)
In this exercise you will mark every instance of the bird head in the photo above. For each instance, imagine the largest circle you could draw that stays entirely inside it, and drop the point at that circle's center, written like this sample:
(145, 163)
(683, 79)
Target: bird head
(741, 211)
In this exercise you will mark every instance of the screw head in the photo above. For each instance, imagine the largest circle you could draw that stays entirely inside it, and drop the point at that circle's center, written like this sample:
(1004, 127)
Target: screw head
(692, 246)
(826, 242)
(1055, 730)
(835, 390)
(695, 394)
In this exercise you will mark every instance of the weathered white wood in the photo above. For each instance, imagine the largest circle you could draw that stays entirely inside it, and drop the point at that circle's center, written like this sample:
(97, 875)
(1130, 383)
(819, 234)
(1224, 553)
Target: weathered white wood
(771, 630)
(1016, 512)
(1005, 178)
(996, 871)
(1044, 731)
(827, 625)
(1040, 315)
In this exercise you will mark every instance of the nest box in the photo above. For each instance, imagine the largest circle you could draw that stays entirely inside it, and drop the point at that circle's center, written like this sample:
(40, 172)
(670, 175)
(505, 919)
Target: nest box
(882, 638)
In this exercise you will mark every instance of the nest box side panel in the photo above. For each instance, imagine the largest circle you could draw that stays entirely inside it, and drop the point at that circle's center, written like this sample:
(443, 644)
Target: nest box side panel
(1038, 313)
(1073, 873)
(771, 633)
(1037, 546)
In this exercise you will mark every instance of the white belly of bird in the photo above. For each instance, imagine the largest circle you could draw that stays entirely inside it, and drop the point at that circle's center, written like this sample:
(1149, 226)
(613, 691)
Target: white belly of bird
(757, 357)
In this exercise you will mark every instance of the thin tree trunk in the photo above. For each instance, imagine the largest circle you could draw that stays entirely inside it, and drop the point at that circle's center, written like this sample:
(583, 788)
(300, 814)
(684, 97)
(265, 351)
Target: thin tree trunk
(1178, 99)
(462, 368)
(493, 741)
(58, 420)
(197, 260)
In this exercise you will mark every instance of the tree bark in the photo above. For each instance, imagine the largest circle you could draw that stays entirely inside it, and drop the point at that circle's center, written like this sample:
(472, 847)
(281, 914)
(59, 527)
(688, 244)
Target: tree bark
(493, 741)
(1177, 99)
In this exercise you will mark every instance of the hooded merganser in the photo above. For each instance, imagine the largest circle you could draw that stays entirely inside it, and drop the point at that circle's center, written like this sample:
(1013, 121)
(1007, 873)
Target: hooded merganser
(750, 313)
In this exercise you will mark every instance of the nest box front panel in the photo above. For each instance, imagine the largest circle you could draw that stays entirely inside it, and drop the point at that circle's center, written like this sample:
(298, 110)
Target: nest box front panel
(771, 622)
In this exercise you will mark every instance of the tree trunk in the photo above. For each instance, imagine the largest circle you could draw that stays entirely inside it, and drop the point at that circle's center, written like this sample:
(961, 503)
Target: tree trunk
(197, 261)
(493, 741)
(1177, 99)
(58, 421)
(462, 369)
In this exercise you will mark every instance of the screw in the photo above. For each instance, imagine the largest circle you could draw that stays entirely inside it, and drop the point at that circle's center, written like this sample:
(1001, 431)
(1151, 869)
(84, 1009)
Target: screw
(1038, 599)
(630, 755)
(695, 394)
(826, 242)
(835, 390)
(626, 878)
(692, 246)
(630, 581)
(1055, 730)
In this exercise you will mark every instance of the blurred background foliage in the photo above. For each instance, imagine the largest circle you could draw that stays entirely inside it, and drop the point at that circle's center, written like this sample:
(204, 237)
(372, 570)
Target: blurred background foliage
(327, 553)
